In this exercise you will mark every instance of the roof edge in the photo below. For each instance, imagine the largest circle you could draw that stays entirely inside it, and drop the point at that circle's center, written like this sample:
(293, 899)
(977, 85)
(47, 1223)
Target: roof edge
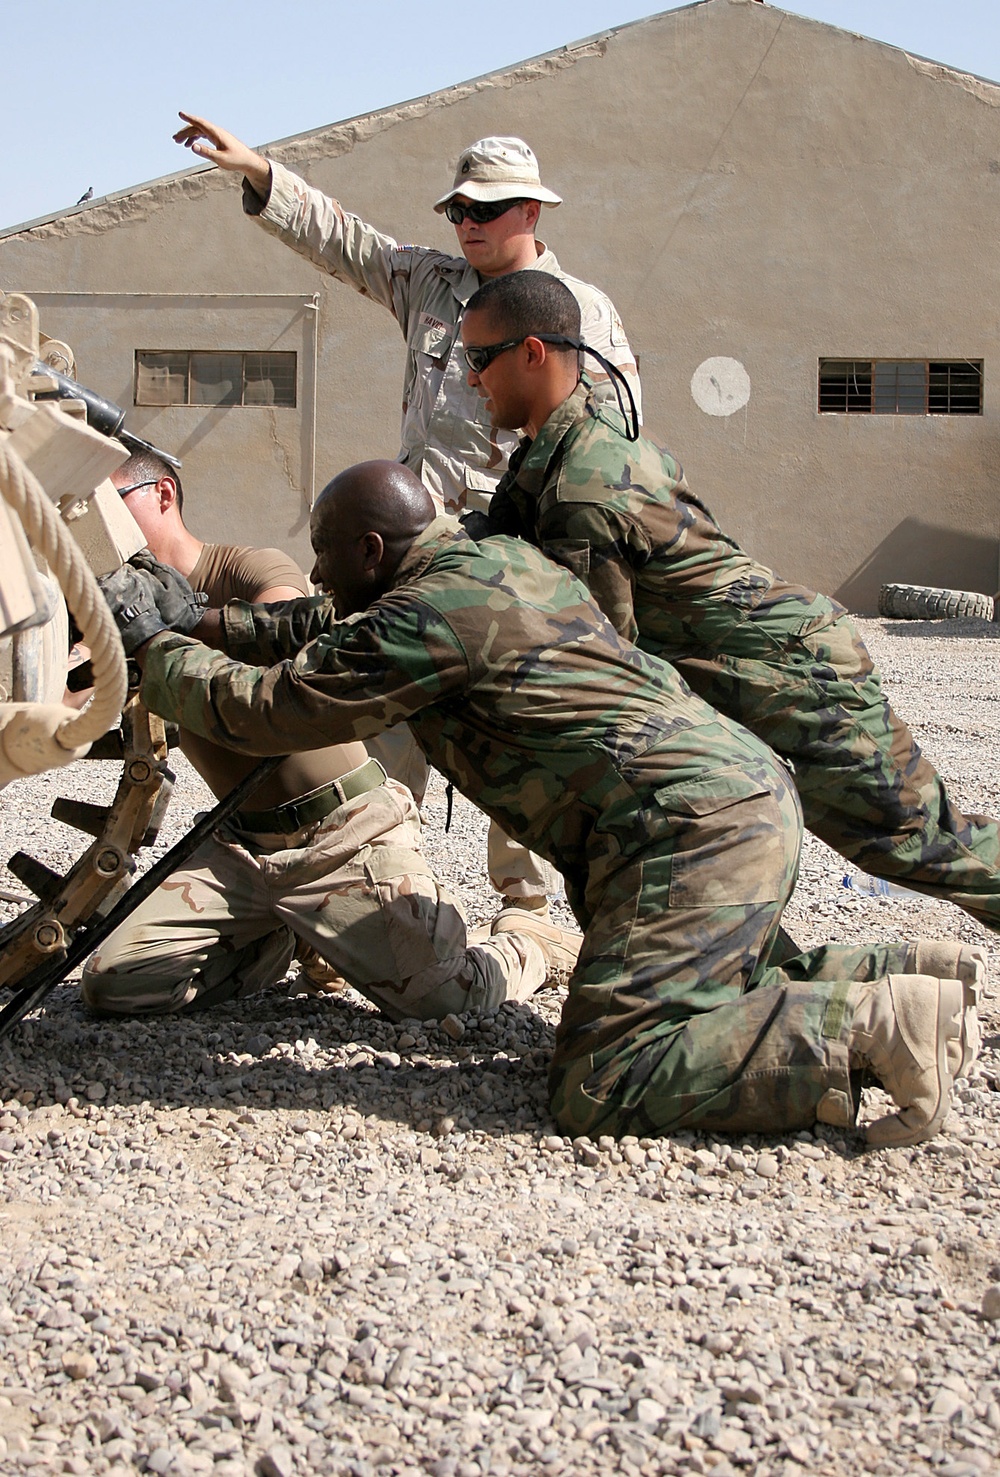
(362, 123)
(565, 55)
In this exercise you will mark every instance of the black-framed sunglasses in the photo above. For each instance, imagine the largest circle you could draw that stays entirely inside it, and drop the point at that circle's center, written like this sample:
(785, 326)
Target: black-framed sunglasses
(134, 486)
(481, 356)
(480, 212)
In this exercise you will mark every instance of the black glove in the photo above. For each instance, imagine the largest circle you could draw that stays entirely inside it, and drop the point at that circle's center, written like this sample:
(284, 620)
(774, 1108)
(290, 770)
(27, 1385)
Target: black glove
(150, 598)
(180, 606)
(477, 525)
(505, 516)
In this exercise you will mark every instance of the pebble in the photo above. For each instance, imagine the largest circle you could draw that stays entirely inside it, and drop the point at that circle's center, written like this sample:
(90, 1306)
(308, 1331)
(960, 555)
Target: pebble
(945, 1405)
(291, 1236)
(990, 1307)
(79, 1366)
(277, 1461)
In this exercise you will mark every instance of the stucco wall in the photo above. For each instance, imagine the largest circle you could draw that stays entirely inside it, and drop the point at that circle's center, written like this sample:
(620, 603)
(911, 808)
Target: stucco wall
(746, 184)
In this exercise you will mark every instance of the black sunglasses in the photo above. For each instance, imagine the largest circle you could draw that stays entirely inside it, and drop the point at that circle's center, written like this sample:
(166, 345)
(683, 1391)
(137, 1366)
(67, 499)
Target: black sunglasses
(480, 212)
(481, 356)
(134, 486)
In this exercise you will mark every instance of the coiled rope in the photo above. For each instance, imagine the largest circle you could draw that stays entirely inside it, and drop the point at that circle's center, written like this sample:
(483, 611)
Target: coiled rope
(48, 534)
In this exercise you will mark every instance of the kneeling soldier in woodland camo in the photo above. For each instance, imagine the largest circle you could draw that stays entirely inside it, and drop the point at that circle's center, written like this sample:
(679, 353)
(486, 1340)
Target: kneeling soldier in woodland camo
(329, 857)
(786, 662)
(676, 830)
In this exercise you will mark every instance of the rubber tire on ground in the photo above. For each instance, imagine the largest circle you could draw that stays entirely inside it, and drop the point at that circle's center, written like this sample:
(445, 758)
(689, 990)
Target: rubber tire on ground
(924, 603)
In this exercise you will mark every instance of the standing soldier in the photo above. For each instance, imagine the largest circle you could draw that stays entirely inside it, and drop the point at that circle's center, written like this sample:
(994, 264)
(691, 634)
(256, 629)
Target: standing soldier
(494, 204)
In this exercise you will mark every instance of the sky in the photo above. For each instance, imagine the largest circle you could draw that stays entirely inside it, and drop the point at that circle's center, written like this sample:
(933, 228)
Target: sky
(90, 93)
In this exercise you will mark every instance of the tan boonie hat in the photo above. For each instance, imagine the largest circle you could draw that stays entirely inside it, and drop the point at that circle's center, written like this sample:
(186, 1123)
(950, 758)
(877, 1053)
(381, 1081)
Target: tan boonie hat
(498, 169)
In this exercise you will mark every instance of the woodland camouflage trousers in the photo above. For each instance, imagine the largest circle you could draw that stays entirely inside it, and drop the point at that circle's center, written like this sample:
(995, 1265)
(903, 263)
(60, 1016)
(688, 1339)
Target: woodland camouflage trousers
(675, 1017)
(813, 694)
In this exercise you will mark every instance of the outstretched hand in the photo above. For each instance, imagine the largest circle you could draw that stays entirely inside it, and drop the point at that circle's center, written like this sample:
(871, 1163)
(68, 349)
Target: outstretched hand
(224, 149)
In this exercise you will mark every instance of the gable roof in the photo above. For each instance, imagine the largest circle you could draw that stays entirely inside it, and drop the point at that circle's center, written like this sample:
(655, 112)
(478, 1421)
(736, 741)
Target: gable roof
(338, 138)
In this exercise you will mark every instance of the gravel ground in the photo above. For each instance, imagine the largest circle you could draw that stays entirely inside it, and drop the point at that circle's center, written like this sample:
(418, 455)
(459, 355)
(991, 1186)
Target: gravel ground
(302, 1239)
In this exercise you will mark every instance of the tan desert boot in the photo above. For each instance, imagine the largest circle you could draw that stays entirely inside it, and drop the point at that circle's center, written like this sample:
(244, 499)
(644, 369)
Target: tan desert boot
(913, 1032)
(560, 946)
(954, 961)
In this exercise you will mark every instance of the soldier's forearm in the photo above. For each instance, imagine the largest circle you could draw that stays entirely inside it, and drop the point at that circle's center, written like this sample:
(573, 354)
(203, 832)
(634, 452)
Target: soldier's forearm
(252, 709)
(273, 633)
(257, 173)
(210, 630)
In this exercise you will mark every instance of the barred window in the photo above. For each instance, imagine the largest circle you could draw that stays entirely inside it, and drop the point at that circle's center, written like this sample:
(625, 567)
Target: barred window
(901, 386)
(214, 377)
(845, 384)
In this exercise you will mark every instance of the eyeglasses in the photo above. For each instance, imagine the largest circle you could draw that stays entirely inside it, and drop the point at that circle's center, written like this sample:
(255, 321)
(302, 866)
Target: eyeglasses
(134, 486)
(481, 356)
(480, 212)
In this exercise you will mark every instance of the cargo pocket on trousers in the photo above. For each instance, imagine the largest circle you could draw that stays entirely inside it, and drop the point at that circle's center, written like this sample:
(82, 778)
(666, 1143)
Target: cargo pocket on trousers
(728, 840)
(423, 927)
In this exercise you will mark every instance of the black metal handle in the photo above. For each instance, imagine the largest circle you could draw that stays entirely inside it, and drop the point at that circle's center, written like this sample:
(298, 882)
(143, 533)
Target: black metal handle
(47, 976)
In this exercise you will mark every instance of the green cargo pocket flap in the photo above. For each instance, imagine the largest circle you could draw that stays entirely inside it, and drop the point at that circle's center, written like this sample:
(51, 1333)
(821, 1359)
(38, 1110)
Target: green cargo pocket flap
(572, 553)
(710, 792)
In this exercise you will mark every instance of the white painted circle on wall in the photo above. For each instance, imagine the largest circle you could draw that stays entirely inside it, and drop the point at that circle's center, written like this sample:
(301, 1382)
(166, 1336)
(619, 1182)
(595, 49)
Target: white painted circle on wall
(720, 386)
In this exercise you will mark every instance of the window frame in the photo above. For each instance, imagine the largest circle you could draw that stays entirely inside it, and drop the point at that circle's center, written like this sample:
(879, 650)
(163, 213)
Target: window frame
(864, 373)
(242, 403)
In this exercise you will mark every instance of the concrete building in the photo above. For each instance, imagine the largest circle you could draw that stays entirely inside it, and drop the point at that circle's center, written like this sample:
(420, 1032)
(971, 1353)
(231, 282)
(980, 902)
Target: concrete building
(798, 226)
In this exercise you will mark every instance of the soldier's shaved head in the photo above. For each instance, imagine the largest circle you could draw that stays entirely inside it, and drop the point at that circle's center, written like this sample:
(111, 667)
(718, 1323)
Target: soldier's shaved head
(382, 495)
(363, 523)
(523, 335)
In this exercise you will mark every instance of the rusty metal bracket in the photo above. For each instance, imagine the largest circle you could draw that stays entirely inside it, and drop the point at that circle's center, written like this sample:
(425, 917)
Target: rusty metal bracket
(100, 876)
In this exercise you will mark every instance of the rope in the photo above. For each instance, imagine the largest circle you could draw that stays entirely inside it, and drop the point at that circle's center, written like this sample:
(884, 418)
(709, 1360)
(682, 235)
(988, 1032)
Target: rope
(48, 534)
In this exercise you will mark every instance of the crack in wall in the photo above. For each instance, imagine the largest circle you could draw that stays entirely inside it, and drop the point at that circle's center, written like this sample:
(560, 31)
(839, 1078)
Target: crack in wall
(286, 461)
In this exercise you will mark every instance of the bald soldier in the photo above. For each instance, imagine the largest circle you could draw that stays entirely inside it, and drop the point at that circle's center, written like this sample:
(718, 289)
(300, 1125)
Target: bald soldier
(328, 856)
(787, 662)
(676, 830)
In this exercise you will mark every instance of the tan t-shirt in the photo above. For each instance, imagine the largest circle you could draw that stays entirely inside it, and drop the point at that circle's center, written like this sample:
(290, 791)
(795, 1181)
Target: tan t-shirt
(224, 572)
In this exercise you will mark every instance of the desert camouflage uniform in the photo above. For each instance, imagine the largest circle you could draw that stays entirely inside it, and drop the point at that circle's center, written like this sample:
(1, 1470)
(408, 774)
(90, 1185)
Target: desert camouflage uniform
(784, 661)
(354, 885)
(447, 439)
(676, 830)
